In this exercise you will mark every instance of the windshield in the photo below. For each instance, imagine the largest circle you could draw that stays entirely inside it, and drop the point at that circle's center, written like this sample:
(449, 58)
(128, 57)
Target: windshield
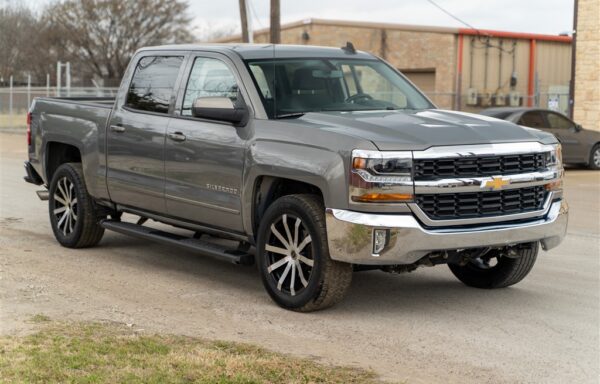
(291, 87)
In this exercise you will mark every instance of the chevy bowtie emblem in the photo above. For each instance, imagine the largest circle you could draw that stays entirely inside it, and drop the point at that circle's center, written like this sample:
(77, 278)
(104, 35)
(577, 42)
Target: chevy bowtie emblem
(495, 184)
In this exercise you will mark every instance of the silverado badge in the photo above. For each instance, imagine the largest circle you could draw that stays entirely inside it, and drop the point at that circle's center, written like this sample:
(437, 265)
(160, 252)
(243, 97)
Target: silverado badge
(496, 183)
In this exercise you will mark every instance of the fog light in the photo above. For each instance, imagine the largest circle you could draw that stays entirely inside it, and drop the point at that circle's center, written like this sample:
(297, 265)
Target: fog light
(380, 238)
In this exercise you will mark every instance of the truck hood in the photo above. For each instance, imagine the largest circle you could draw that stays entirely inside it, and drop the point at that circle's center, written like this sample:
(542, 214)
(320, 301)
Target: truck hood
(417, 130)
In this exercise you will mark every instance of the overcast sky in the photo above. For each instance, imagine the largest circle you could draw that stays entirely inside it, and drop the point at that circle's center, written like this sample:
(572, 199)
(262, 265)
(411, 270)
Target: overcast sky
(537, 16)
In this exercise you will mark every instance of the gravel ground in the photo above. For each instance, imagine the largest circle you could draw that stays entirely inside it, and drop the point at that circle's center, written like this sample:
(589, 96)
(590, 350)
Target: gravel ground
(421, 327)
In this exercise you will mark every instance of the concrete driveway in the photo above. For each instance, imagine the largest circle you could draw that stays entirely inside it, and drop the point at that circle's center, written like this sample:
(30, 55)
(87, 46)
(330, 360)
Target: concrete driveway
(420, 327)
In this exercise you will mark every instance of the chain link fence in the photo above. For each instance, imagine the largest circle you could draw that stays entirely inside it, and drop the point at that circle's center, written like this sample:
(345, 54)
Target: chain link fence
(15, 101)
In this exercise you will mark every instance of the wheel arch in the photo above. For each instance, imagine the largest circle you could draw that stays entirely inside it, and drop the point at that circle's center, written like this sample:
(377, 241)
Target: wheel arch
(58, 153)
(267, 189)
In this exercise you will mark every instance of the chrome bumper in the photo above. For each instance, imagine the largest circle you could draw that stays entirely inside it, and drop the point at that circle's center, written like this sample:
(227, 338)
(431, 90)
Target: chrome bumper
(350, 235)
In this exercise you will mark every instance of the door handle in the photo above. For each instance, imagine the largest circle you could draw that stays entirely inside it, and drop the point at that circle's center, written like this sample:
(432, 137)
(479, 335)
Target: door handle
(117, 128)
(177, 136)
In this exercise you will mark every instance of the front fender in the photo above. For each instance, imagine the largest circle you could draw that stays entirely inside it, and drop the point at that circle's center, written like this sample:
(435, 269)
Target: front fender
(317, 166)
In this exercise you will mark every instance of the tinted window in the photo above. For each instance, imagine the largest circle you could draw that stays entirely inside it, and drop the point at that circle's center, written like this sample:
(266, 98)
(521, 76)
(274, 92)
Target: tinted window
(208, 78)
(153, 82)
(557, 121)
(532, 119)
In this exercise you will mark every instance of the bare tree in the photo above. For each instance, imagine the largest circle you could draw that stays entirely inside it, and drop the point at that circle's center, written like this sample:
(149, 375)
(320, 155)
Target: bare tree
(17, 24)
(211, 32)
(104, 34)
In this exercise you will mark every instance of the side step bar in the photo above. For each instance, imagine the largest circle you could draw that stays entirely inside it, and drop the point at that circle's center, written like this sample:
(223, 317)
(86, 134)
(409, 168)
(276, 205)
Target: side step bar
(235, 256)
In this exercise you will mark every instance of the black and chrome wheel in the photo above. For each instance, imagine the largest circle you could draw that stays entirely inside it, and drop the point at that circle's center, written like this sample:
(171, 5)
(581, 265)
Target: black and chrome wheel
(496, 270)
(595, 157)
(72, 212)
(293, 256)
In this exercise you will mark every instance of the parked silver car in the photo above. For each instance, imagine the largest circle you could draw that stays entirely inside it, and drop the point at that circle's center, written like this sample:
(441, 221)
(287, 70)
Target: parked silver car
(579, 145)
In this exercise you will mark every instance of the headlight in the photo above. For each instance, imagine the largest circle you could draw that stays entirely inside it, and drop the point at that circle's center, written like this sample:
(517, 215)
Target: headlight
(381, 177)
(555, 156)
(555, 161)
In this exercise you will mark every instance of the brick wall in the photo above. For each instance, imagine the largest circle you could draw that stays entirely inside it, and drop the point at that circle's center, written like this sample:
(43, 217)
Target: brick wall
(587, 66)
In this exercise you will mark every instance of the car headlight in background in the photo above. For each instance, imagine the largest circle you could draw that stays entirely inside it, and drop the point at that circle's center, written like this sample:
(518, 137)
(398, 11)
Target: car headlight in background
(381, 177)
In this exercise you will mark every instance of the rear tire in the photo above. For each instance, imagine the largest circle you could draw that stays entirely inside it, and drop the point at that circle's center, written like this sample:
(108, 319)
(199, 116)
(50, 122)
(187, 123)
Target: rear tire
(293, 256)
(73, 215)
(595, 157)
(506, 272)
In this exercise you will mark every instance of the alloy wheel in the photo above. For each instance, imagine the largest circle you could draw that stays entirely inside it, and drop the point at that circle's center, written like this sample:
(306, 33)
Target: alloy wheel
(65, 206)
(289, 254)
(596, 157)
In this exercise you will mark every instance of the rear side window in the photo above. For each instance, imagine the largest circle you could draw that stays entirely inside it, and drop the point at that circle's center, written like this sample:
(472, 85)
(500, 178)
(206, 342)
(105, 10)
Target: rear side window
(532, 119)
(153, 82)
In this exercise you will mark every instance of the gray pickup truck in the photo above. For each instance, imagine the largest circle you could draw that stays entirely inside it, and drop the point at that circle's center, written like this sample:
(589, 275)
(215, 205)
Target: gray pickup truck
(316, 162)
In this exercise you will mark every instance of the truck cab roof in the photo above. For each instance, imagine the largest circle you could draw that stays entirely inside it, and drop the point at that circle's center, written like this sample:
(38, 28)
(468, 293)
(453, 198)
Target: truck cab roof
(265, 51)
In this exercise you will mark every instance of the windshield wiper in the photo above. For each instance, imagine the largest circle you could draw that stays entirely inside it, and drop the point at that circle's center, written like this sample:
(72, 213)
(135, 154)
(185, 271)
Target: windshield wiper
(290, 115)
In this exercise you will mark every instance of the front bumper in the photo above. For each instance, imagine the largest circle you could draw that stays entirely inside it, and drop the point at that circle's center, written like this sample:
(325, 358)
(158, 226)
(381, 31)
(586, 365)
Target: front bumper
(350, 235)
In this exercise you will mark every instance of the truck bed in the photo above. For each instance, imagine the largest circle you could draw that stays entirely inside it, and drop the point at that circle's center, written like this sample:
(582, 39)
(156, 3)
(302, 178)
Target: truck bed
(76, 121)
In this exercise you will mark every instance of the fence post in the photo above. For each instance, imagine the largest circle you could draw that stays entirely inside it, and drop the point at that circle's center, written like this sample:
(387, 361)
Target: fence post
(47, 85)
(10, 100)
(28, 91)
(58, 77)
(68, 80)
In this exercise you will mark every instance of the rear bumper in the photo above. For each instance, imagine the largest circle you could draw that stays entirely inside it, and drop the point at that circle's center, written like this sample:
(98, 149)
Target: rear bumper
(350, 235)
(31, 176)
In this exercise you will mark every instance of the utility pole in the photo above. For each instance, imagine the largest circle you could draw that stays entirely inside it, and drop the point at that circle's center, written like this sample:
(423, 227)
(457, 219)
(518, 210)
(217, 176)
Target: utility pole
(573, 62)
(244, 21)
(275, 22)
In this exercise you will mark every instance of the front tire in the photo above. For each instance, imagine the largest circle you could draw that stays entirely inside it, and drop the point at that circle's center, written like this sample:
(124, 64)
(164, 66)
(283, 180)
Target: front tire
(293, 256)
(73, 215)
(496, 271)
(595, 157)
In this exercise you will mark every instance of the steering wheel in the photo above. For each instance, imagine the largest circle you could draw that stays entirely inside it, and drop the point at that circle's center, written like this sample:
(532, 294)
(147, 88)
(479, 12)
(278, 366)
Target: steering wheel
(359, 96)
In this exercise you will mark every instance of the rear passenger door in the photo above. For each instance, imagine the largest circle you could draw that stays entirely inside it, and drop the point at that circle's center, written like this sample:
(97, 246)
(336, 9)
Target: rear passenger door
(205, 158)
(136, 134)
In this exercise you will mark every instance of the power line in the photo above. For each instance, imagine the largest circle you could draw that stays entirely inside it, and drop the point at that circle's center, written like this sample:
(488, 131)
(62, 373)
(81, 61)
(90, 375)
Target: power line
(453, 16)
(255, 14)
(483, 38)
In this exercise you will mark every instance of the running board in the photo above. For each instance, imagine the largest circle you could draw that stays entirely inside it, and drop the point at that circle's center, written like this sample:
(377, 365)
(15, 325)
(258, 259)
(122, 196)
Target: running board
(216, 251)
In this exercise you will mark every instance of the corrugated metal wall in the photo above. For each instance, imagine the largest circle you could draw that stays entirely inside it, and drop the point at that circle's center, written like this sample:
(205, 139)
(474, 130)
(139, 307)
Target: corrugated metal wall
(503, 56)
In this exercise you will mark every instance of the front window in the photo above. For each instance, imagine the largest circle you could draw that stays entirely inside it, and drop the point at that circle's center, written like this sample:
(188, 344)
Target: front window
(209, 78)
(557, 121)
(290, 87)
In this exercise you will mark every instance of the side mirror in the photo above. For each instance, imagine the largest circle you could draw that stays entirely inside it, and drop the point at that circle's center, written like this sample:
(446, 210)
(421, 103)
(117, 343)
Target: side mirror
(218, 108)
(578, 127)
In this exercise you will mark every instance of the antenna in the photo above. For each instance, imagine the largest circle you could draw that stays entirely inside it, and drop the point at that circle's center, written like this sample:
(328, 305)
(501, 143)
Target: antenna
(349, 48)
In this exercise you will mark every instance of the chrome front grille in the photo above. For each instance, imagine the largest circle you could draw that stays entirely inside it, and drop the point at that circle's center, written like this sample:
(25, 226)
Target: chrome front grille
(466, 205)
(477, 166)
